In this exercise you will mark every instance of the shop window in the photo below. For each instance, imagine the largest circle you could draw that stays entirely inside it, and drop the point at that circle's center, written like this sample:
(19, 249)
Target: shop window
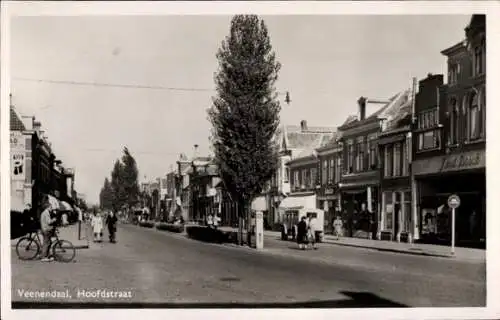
(407, 210)
(388, 210)
(396, 172)
(388, 161)
(324, 172)
(474, 119)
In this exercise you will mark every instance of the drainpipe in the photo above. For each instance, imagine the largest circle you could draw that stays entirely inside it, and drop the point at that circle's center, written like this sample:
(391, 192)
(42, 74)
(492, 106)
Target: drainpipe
(414, 234)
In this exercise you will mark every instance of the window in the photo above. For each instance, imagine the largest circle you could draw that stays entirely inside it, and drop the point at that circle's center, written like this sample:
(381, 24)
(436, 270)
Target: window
(339, 169)
(474, 118)
(396, 172)
(350, 157)
(313, 179)
(428, 140)
(406, 160)
(454, 117)
(304, 183)
(478, 62)
(388, 210)
(296, 183)
(360, 155)
(388, 161)
(453, 73)
(287, 175)
(428, 118)
(332, 171)
(372, 153)
(324, 172)
(407, 211)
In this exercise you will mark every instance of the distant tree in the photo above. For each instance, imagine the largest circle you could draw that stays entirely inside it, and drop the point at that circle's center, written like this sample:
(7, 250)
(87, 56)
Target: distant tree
(118, 193)
(245, 112)
(130, 178)
(106, 195)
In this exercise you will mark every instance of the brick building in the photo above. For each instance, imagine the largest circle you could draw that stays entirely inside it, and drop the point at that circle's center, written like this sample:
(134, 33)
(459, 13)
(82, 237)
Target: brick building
(449, 143)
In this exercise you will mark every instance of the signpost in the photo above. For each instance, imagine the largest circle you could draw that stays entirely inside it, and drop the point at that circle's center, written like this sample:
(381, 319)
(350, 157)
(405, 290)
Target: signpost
(259, 230)
(453, 203)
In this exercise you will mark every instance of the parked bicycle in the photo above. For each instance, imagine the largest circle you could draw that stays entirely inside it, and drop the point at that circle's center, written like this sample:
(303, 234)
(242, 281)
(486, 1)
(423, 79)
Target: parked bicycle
(29, 247)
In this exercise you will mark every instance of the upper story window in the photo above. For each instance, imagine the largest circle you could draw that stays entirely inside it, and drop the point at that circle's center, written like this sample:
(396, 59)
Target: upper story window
(338, 171)
(372, 152)
(429, 140)
(350, 157)
(474, 117)
(405, 168)
(324, 172)
(313, 179)
(453, 73)
(396, 164)
(296, 182)
(287, 174)
(479, 59)
(454, 121)
(331, 172)
(428, 118)
(388, 161)
(304, 181)
(360, 154)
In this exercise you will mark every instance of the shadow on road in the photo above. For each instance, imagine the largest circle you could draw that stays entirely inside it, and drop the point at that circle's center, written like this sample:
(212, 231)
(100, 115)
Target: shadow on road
(355, 300)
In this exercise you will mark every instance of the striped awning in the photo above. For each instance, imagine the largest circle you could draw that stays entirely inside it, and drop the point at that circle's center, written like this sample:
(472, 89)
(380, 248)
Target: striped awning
(64, 206)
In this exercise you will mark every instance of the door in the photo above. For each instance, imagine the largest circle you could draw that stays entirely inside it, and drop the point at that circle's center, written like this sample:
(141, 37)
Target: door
(397, 212)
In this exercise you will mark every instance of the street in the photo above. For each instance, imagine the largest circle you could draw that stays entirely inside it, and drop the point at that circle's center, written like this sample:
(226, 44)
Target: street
(157, 268)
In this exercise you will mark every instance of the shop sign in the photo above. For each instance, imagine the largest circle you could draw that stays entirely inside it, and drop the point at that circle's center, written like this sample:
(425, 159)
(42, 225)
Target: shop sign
(329, 191)
(464, 161)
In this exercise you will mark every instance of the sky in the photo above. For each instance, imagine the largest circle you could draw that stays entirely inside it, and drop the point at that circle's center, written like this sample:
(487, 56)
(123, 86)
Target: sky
(328, 62)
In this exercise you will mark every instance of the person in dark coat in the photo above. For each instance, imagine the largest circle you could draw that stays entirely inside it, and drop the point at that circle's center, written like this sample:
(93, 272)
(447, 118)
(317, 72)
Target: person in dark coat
(111, 221)
(302, 233)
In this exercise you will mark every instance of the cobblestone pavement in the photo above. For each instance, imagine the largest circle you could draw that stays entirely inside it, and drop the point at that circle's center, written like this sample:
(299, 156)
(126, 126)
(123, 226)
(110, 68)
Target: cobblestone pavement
(160, 267)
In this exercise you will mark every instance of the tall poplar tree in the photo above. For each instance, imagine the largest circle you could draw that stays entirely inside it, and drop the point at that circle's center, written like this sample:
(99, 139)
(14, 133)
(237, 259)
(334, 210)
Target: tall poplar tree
(245, 112)
(130, 175)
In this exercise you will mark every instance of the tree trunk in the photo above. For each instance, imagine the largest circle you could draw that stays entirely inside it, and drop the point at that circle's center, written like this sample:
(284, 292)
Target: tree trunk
(240, 210)
(248, 214)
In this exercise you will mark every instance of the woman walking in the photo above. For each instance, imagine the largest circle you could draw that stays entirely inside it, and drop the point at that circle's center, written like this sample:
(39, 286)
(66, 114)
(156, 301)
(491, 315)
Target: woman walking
(97, 226)
(302, 233)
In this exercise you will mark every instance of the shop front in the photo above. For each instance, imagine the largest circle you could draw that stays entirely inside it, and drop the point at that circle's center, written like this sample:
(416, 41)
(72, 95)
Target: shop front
(437, 178)
(359, 205)
(395, 220)
(328, 200)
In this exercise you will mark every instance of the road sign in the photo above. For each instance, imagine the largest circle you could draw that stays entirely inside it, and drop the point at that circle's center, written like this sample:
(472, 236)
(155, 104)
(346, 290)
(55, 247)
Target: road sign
(454, 201)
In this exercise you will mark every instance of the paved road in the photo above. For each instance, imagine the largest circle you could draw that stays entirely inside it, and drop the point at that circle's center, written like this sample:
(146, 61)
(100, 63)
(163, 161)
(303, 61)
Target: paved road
(160, 267)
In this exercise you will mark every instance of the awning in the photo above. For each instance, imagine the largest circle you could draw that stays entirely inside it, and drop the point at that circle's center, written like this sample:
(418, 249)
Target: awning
(259, 204)
(64, 206)
(299, 202)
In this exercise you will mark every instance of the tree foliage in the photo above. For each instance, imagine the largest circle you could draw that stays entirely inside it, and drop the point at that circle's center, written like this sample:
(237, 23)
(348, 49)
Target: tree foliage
(130, 178)
(245, 110)
(106, 196)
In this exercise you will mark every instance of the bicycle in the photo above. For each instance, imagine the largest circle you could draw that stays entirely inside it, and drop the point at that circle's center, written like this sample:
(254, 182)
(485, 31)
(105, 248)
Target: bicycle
(62, 250)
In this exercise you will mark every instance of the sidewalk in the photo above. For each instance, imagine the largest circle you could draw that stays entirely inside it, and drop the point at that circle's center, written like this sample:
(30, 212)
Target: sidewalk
(392, 246)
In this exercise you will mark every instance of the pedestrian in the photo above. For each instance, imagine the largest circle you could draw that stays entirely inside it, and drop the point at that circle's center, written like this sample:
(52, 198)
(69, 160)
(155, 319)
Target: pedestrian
(312, 232)
(217, 220)
(337, 227)
(210, 221)
(47, 228)
(302, 233)
(111, 222)
(97, 225)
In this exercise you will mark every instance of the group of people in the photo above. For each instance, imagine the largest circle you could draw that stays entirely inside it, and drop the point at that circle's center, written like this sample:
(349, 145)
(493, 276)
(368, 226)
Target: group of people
(99, 220)
(306, 233)
(213, 221)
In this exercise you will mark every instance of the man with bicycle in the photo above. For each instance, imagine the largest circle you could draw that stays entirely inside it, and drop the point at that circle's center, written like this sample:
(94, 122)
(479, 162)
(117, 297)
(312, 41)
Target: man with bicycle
(47, 226)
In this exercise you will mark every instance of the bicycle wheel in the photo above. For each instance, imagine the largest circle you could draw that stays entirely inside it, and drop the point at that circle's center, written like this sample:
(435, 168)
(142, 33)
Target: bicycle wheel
(27, 248)
(63, 251)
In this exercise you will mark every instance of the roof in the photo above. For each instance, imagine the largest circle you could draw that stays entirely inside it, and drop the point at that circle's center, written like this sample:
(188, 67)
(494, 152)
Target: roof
(15, 121)
(310, 151)
(355, 122)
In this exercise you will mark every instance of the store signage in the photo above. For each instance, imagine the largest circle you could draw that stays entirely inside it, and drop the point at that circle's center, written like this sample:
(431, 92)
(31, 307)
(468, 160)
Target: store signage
(329, 191)
(464, 161)
(17, 156)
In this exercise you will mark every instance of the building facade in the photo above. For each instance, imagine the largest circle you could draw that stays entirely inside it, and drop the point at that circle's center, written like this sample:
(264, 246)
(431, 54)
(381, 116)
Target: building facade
(394, 145)
(330, 172)
(449, 142)
(292, 141)
(360, 183)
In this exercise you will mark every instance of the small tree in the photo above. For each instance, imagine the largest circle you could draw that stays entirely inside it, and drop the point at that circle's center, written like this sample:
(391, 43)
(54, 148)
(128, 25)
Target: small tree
(245, 112)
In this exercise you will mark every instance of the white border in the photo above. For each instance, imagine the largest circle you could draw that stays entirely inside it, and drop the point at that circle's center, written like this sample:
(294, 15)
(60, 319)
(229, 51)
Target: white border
(266, 8)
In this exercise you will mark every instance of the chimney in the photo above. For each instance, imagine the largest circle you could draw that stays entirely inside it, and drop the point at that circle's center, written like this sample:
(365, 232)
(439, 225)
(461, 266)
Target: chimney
(362, 108)
(303, 125)
(195, 153)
